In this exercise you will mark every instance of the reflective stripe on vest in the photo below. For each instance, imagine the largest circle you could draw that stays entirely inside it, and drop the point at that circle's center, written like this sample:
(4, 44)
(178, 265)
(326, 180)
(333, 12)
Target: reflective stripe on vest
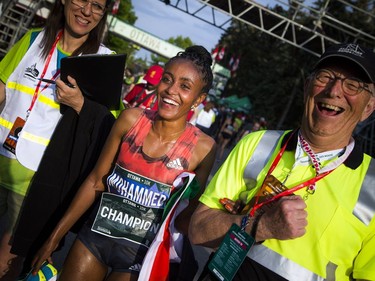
(281, 265)
(28, 136)
(42, 121)
(287, 268)
(5, 123)
(21, 88)
(261, 155)
(364, 210)
(27, 90)
(34, 138)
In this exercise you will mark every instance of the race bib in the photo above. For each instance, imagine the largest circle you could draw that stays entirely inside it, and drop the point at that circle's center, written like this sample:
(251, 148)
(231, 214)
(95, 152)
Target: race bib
(135, 211)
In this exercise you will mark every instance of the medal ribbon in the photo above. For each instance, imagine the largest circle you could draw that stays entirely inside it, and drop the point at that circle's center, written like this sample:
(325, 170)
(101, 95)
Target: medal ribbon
(320, 173)
(48, 60)
(307, 148)
(330, 167)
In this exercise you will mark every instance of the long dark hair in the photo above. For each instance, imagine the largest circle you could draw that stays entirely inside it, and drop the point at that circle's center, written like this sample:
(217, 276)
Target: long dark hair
(202, 60)
(56, 22)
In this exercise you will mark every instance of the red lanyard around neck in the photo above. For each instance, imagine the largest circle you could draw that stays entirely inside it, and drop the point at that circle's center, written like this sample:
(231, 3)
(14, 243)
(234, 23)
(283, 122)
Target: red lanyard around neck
(290, 191)
(48, 60)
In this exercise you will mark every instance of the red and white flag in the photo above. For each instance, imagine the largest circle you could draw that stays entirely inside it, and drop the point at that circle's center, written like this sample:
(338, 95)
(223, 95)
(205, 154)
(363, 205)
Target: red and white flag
(155, 265)
(221, 54)
(235, 64)
(215, 52)
(115, 7)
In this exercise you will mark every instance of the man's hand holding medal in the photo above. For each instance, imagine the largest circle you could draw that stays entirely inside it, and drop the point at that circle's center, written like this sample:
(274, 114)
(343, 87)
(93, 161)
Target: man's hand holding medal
(281, 218)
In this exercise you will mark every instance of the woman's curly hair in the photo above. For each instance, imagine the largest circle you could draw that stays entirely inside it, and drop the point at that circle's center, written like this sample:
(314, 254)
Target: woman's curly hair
(202, 60)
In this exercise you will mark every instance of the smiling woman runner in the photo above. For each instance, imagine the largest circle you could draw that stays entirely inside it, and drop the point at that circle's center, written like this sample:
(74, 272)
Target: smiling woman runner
(144, 153)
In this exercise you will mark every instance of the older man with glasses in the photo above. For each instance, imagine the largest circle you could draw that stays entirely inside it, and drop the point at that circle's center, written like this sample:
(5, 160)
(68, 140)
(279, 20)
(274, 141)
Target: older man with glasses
(300, 204)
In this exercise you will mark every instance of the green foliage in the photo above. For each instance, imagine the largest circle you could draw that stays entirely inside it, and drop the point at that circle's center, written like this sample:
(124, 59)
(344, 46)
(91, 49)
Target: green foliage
(272, 73)
(126, 12)
(267, 73)
(121, 46)
(182, 42)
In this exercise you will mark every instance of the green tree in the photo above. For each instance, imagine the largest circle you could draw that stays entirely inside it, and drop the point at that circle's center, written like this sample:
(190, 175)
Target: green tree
(267, 73)
(126, 12)
(179, 41)
(121, 46)
(272, 73)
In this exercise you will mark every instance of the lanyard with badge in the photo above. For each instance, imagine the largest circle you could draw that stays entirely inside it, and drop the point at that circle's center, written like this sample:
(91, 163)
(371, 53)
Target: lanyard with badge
(12, 138)
(236, 243)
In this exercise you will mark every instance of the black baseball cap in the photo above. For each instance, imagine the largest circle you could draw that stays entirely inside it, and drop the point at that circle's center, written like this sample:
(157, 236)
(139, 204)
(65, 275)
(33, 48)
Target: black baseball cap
(363, 57)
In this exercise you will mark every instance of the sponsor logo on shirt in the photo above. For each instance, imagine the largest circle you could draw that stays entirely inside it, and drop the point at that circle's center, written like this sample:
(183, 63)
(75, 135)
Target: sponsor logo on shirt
(31, 71)
(136, 267)
(175, 164)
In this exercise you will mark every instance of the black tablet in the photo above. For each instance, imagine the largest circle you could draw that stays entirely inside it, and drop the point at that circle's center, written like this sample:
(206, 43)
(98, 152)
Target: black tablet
(99, 77)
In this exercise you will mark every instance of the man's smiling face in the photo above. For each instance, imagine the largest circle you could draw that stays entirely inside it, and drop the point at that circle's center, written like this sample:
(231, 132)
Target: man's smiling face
(329, 111)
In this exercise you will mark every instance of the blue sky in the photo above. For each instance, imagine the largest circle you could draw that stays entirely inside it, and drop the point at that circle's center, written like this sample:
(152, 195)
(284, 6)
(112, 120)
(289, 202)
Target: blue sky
(165, 21)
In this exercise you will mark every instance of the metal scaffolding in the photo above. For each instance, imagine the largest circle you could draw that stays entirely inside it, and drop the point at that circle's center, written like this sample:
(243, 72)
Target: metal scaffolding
(290, 26)
(292, 29)
(15, 19)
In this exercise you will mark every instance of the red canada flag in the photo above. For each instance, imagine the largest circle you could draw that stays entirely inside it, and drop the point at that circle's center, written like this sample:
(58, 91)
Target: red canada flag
(215, 52)
(221, 54)
(115, 7)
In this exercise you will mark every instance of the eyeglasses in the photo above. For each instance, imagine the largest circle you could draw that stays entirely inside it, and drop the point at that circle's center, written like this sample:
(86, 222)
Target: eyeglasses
(96, 8)
(350, 86)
